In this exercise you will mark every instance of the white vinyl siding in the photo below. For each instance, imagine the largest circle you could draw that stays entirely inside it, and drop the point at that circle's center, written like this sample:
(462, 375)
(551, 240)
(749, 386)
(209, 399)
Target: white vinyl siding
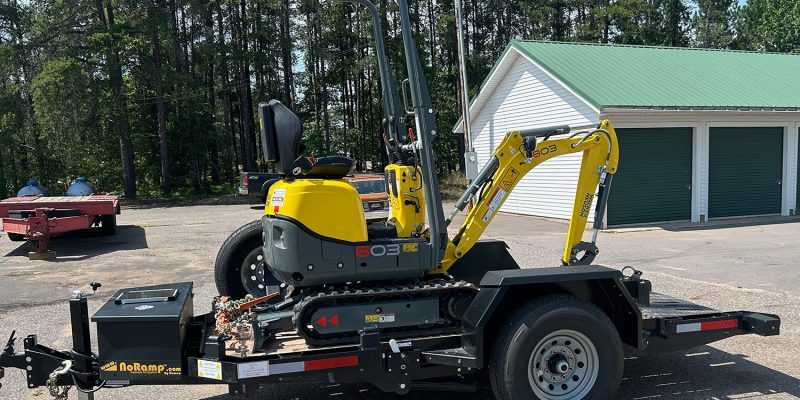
(527, 97)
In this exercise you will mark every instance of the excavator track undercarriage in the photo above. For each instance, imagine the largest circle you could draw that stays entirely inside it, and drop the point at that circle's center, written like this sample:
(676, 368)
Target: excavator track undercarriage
(335, 316)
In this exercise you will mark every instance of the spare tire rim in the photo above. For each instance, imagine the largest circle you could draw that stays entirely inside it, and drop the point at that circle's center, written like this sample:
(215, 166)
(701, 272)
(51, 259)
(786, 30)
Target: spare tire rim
(255, 277)
(563, 365)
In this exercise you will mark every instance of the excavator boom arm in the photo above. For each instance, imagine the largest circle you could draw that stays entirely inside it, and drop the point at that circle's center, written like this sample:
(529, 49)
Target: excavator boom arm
(518, 154)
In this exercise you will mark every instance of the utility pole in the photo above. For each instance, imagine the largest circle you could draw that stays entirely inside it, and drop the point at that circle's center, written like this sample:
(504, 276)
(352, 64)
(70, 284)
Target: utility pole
(470, 158)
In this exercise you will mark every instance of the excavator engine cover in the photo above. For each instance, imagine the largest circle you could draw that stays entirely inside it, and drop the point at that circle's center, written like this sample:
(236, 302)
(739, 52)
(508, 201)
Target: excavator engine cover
(315, 234)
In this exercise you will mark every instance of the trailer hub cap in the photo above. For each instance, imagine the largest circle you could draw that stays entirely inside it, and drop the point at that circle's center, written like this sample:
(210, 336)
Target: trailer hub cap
(563, 365)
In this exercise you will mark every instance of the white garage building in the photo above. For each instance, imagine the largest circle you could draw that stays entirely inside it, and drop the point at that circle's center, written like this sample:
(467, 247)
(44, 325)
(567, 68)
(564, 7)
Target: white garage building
(703, 133)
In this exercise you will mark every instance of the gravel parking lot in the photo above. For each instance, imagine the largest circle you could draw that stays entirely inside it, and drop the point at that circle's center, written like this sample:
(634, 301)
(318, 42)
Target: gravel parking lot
(729, 265)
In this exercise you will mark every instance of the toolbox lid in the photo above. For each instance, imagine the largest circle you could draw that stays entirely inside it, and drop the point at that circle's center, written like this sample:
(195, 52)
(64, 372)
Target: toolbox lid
(146, 303)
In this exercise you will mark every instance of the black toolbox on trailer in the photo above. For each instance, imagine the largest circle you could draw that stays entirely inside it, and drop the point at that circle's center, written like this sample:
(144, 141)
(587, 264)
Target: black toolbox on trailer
(141, 332)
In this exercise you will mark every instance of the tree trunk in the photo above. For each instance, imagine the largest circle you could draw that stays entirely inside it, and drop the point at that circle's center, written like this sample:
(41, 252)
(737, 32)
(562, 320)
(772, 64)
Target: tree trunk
(161, 113)
(245, 95)
(230, 142)
(212, 95)
(105, 15)
(286, 55)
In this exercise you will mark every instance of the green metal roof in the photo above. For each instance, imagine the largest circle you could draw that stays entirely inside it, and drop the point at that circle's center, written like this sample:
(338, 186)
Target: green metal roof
(672, 78)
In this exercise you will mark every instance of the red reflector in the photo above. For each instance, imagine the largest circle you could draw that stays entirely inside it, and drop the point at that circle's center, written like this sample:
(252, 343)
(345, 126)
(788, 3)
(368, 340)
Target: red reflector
(723, 324)
(326, 363)
(275, 209)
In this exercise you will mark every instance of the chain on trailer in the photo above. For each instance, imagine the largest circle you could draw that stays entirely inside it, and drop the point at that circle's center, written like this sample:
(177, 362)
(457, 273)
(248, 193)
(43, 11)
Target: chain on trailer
(59, 392)
(234, 319)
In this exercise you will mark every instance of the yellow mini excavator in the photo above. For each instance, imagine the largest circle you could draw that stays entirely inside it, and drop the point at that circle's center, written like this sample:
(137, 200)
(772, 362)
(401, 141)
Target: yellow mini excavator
(317, 241)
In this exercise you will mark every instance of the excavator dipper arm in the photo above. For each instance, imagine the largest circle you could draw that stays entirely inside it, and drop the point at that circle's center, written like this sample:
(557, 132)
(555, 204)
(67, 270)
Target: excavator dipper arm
(518, 154)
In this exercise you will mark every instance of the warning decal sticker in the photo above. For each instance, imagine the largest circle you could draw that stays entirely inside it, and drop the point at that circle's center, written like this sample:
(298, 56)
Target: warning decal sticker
(253, 369)
(378, 318)
(209, 369)
(494, 204)
(509, 179)
(277, 197)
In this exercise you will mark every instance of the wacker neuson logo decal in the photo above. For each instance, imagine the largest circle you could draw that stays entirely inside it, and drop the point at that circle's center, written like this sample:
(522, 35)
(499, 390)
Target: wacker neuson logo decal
(140, 368)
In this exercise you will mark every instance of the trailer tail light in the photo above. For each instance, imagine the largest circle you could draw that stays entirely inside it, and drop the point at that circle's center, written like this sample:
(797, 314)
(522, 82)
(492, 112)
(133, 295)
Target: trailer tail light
(708, 326)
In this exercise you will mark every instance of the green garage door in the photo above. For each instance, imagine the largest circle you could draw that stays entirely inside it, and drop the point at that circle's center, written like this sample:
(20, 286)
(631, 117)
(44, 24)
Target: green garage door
(745, 167)
(655, 176)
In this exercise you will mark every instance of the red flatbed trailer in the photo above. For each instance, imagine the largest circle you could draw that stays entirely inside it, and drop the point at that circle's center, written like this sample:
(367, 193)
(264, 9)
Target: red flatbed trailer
(38, 218)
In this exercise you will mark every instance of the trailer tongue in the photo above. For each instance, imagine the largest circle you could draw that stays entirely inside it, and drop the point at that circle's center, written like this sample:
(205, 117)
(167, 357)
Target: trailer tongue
(150, 336)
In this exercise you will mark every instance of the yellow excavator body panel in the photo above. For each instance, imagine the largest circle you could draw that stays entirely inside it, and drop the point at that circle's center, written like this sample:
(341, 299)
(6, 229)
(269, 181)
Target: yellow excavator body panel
(406, 198)
(328, 207)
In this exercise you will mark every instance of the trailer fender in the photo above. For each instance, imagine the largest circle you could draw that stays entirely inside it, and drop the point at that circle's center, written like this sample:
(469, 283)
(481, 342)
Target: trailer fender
(503, 292)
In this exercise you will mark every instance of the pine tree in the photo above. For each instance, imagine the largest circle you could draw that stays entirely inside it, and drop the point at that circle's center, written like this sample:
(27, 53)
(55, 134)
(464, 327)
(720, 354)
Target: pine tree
(713, 23)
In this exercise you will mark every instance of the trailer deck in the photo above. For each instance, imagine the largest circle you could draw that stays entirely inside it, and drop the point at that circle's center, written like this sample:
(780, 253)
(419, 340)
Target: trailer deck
(158, 340)
(38, 218)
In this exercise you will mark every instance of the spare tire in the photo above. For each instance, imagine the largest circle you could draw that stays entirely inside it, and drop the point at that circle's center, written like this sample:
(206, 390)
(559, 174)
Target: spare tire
(240, 268)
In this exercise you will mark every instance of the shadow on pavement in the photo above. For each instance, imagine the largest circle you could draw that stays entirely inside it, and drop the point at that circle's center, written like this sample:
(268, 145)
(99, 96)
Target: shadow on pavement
(83, 245)
(171, 203)
(726, 223)
(703, 373)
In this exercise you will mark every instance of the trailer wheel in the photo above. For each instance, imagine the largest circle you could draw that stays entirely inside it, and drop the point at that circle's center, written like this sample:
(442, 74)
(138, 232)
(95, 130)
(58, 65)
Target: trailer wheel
(108, 224)
(240, 268)
(557, 347)
(15, 237)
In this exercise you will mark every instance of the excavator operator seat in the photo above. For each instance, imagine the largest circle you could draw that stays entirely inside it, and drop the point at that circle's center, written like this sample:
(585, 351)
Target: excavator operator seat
(281, 132)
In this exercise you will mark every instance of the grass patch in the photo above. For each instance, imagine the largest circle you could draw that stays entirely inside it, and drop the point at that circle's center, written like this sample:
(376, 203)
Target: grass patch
(452, 186)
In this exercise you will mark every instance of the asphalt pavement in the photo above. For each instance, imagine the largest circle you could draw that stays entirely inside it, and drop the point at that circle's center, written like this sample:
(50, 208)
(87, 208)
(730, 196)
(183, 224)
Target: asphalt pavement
(727, 265)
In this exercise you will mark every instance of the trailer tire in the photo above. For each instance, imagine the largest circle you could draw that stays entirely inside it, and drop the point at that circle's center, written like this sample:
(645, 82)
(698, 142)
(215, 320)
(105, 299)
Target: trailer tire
(561, 333)
(15, 237)
(241, 250)
(108, 224)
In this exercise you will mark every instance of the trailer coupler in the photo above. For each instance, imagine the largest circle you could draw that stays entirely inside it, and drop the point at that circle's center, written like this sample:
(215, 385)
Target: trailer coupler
(38, 361)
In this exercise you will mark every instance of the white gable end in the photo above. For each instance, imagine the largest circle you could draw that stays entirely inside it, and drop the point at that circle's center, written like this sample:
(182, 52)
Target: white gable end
(527, 97)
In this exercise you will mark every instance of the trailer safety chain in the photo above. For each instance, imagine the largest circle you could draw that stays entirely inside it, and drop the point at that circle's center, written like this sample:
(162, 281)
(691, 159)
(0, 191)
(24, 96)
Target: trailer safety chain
(59, 392)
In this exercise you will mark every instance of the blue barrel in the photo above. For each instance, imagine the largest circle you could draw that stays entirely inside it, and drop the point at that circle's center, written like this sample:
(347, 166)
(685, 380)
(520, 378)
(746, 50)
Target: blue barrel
(32, 188)
(80, 187)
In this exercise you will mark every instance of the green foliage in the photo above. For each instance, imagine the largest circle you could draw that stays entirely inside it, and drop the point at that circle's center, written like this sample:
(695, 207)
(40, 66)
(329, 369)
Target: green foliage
(769, 25)
(202, 67)
(713, 23)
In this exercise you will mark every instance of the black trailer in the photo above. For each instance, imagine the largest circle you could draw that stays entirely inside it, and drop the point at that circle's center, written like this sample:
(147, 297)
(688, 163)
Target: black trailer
(559, 332)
